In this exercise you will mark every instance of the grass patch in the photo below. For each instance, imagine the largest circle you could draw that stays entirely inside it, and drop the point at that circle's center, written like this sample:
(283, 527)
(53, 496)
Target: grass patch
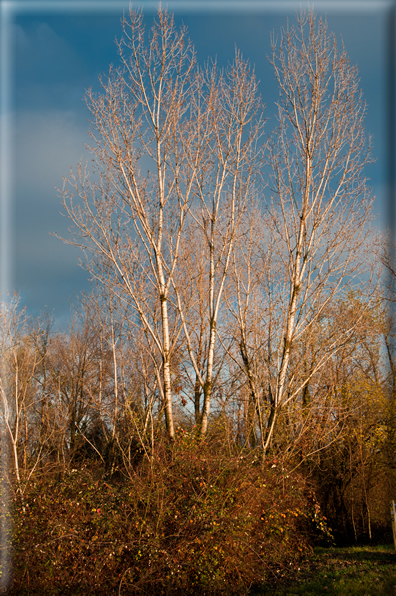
(360, 570)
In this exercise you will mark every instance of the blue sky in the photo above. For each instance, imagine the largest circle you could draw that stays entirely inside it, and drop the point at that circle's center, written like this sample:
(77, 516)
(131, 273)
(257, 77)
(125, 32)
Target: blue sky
(56, 50)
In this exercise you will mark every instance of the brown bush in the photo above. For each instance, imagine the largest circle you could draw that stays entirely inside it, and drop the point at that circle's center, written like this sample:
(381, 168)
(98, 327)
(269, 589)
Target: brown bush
(193, 519)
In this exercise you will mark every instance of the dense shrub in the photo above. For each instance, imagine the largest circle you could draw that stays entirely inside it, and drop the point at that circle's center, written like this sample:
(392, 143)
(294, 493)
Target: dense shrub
(194, 519)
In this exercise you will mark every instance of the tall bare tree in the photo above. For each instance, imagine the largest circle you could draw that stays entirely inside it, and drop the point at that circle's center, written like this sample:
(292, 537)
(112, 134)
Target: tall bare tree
(226, 186)
(149, 118)
(320, 207)
(196, 132)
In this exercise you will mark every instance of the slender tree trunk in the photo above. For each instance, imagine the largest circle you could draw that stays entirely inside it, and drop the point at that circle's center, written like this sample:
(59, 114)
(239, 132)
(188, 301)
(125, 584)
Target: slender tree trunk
(207, 388)
(254, 401)
(168, 406)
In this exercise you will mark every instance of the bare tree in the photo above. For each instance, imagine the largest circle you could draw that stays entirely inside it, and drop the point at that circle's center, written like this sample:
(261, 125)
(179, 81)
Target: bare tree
(226, 186)
(20, 362)
(320, 208)
(196, 132)
(247, 302)
(73, 366)
(149, 117)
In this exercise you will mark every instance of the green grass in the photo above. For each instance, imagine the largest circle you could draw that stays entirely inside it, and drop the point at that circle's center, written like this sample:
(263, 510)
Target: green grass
(363, 571)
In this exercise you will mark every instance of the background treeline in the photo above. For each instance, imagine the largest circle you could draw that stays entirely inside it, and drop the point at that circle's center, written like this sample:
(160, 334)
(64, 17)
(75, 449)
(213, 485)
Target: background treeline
(225, 396)
(101, 495)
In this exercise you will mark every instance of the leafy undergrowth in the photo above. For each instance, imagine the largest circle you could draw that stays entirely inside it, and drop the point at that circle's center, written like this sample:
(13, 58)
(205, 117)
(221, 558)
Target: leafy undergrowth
(194, 521)
(355, 571)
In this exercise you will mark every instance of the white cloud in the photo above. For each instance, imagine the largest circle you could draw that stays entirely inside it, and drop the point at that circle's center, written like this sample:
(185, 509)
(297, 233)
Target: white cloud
(47, 145)
(38, 46)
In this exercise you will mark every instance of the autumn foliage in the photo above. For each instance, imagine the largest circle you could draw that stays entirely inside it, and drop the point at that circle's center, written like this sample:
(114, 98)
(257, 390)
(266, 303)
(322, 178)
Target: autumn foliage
(194, 518)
